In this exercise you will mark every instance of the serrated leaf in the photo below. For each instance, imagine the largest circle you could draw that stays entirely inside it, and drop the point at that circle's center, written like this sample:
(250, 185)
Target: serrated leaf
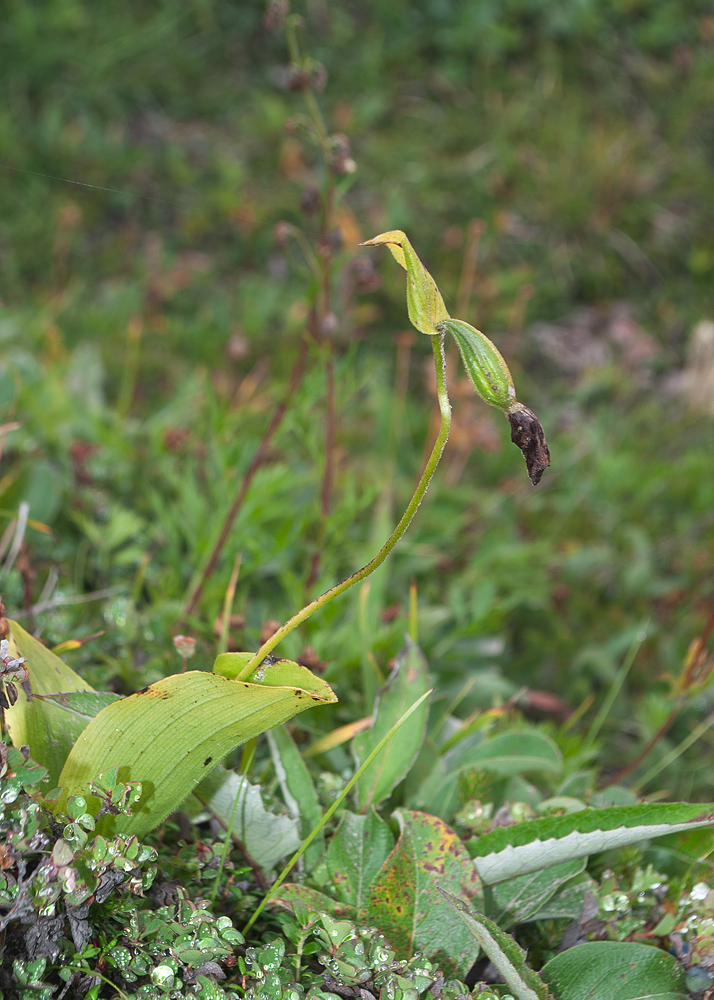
(408, 681)
(611, 970)
(268, 837)
(47, 727)
(483, 363)
(505, 953)
(424, 302)
(356, 854)
(518, 899)
(298, 790)
(539, 843)
(404, 902)
(172, 733)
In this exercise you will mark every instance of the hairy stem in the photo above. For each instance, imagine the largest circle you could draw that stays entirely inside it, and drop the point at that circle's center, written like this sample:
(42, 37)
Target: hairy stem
(407, 517)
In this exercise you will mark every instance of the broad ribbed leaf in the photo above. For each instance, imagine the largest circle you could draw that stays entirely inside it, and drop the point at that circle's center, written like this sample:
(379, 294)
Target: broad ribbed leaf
(613, 970)
(170, 735)
(49, 727)
(408, 681)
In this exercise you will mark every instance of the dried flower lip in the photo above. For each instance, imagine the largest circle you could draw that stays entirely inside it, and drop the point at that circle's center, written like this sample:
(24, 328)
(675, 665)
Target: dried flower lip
(527, 433)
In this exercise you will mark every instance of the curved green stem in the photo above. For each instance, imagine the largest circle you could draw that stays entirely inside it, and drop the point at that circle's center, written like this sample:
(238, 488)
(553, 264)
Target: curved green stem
(437, 343)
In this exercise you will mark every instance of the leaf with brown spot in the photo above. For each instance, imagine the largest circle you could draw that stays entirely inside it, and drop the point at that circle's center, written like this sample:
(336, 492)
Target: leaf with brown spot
(163, 737)
(288, 895)
(392, 898)
(428, 856)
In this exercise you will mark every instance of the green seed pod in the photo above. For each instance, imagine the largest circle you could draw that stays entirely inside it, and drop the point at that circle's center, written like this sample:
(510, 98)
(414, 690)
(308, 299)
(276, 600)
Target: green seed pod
(485, 367)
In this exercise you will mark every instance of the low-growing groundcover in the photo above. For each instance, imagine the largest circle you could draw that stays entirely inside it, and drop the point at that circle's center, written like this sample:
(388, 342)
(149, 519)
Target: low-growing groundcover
(254, 439)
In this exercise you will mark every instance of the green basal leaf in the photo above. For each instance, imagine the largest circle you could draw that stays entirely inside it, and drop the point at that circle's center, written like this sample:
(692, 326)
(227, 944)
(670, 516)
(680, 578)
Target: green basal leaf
(484, 365)
(172, 733)
(610, 970)
(539, 843)
(424, 302)
(230, 664)
(408, 680)
(522, 751)
(49, 727)
(298, 790)
(505, 953)
(567, 903)
(356, 854)
(502, 756)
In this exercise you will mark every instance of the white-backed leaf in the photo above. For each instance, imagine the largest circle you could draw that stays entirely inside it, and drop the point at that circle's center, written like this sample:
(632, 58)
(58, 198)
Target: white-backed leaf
(539, 843)
(268, 837)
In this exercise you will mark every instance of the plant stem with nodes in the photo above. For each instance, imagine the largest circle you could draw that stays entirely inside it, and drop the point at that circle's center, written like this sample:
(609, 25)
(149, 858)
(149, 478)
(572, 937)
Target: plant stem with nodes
(437, 343)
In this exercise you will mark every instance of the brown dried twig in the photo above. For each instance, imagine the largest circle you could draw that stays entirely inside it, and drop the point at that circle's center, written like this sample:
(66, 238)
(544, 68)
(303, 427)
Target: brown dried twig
(256, 462)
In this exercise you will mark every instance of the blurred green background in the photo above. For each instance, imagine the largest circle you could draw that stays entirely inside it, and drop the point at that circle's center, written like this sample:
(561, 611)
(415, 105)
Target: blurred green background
(552, 165)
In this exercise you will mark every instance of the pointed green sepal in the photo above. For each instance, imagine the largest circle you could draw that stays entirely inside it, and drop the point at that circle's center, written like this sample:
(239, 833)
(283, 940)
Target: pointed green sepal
(424, 302)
